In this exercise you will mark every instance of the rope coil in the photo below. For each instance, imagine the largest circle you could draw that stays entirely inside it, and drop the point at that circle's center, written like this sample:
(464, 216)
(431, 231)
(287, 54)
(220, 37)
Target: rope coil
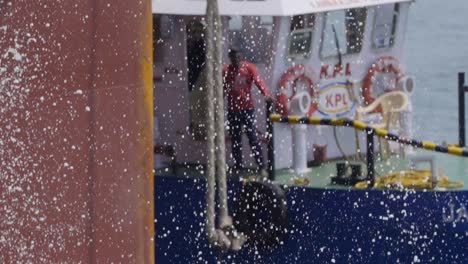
(411, 179)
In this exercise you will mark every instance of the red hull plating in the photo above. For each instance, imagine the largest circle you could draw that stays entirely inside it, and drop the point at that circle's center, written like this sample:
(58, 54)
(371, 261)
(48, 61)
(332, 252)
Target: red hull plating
(76, 131)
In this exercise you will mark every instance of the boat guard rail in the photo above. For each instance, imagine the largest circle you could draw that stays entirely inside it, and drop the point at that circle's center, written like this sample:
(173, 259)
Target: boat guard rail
(427, 145)
(462, 89)
(370, 134)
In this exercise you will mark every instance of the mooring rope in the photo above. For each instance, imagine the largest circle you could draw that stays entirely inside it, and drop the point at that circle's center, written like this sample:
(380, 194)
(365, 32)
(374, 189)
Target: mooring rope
(210, 126)
(225, 236)
(452, 150)
(219, 122)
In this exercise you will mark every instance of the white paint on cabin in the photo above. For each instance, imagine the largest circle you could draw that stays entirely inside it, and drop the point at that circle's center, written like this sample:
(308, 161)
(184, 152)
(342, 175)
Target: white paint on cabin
(172, 95)
(262, 7)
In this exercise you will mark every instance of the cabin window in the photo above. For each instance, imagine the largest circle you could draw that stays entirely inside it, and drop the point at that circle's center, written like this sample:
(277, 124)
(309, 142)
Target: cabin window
(300, 39)
(385, 24)
(300, 43)
(245, 33)
(235, 24)
(343, 32)
(302, 22)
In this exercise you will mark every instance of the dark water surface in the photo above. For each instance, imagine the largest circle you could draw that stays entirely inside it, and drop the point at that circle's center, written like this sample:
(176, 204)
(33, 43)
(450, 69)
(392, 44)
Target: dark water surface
(436, 50)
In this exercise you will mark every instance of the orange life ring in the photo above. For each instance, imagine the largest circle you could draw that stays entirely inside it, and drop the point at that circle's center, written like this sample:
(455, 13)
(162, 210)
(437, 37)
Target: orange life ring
(287, 89)
(383, 65)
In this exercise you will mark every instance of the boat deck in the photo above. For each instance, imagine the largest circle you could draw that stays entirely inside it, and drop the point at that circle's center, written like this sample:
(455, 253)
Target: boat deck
(456, 168)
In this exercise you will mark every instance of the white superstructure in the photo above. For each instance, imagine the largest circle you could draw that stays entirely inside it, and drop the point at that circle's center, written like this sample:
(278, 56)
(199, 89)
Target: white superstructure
(335, 42)
(262, 7)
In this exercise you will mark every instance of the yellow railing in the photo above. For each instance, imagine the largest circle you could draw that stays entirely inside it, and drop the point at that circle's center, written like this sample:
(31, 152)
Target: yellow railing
(452, 150)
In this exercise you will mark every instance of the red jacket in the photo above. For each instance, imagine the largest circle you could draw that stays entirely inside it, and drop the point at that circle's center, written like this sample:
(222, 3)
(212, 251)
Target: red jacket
(238, 86)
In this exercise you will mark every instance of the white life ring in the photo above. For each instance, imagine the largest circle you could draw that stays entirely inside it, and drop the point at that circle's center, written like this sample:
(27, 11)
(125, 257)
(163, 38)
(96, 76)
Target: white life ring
(288, 91)
(383, 65)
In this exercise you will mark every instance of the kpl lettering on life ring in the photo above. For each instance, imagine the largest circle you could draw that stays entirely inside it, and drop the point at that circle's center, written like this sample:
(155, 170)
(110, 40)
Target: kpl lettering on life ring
(334, 101)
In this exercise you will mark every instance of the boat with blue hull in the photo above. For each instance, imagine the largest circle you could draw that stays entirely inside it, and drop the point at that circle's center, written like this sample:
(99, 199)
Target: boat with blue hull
(325, 226)
(82, 180)
(346, 183)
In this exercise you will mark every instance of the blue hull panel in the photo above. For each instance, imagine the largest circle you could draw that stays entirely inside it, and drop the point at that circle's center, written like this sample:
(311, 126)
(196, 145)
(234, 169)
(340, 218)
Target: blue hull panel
(325, 226)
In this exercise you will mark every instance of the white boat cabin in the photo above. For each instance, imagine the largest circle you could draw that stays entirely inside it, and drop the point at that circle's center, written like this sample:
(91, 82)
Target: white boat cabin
(337, 54)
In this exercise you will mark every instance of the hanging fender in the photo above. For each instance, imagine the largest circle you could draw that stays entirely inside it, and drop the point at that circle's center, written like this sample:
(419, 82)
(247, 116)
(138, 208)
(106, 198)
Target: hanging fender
(287, 90)
(261, 214)
(382, 65)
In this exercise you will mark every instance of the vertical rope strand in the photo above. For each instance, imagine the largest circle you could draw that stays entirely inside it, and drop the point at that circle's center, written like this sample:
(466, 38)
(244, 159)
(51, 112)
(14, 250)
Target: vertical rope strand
(219, 117)
(225, 236)
(210, 170)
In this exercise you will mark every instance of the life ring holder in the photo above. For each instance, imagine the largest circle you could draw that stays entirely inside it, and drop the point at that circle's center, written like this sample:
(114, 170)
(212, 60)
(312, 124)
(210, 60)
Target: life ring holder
(286, 90)
(382, 65)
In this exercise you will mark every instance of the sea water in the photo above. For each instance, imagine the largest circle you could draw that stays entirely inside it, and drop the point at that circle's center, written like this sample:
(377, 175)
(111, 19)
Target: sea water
(436, 50)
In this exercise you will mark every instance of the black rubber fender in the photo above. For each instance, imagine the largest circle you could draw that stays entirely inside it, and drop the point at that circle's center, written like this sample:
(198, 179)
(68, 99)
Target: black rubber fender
(261, 213)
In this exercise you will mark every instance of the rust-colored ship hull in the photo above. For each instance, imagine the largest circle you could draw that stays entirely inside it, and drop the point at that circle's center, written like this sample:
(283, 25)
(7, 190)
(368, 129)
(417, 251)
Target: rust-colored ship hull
(76, 132)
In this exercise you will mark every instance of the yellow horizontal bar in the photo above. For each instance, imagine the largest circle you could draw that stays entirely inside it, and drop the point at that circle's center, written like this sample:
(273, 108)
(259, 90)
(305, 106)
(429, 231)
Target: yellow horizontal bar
(455, 151)
(381, 132)
(275, 118)
(314, 121)
(429, 145)
(294, 119)
(337, 122)
(360, 125)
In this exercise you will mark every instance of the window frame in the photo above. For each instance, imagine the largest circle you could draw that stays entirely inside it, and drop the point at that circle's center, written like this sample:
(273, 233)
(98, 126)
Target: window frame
(307, 24)
(322, 36)
(304, 55)
(395, 28)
